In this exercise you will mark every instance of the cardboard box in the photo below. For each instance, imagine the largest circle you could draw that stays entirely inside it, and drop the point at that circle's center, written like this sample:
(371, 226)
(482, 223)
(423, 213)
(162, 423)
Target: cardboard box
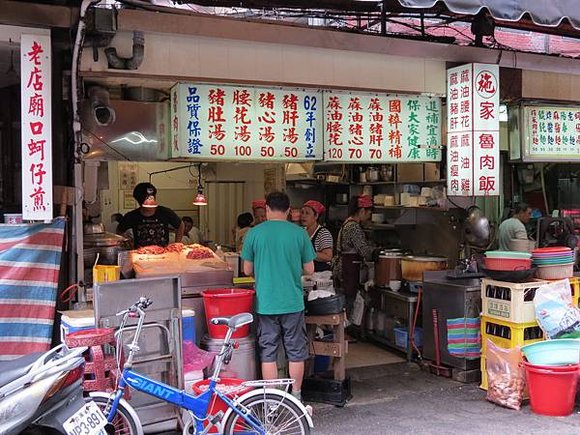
(432, 172)
(409, 172)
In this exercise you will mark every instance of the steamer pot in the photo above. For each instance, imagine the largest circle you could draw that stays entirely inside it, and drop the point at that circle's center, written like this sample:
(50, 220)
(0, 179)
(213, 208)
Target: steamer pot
(412, 267)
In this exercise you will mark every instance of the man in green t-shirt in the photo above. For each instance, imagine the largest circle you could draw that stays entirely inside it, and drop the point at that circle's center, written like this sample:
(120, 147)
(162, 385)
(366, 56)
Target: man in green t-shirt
(278, 253)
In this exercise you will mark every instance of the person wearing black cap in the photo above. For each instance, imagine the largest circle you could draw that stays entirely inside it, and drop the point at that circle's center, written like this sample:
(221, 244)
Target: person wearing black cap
(150, 222)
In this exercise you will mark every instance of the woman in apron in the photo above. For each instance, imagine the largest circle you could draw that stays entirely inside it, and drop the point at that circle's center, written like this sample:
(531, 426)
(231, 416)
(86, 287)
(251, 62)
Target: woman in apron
(352, 248)
(319, 236)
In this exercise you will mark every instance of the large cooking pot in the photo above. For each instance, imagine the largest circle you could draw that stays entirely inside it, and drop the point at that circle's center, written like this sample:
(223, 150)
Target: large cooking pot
(388, 267)
(107, 245)
(412, 267)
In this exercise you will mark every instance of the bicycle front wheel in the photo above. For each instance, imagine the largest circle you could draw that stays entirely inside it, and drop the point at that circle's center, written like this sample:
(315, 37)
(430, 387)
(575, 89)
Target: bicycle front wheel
(124, 422)
(276, 414)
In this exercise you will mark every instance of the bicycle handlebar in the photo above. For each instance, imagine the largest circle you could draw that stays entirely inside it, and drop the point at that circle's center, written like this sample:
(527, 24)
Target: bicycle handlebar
(138, 307)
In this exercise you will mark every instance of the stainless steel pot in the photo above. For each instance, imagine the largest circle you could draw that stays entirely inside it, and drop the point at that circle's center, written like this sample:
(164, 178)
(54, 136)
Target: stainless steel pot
(107, 245)
(93, 228)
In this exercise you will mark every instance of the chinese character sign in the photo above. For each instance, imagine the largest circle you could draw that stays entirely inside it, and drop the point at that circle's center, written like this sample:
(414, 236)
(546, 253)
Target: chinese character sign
(381, 128)
(36, 127)
(552, 133)
(473, 130)
(214, 122)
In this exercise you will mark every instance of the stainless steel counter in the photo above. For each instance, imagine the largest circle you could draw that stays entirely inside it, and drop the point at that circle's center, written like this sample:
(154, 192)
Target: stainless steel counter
(453, 298)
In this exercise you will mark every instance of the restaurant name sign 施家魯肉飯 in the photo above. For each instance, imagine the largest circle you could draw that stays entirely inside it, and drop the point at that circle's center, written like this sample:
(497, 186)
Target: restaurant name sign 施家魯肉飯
(473, 130)
(220, 122)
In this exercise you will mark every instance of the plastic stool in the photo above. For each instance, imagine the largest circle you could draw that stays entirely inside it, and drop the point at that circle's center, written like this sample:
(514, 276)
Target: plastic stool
(100, 366)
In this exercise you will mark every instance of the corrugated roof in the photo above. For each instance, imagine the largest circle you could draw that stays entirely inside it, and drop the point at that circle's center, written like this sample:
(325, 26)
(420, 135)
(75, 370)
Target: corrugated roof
(548, 13)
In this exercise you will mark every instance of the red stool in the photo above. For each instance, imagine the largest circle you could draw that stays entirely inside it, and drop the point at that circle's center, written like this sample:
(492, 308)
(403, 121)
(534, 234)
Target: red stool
(101, 371)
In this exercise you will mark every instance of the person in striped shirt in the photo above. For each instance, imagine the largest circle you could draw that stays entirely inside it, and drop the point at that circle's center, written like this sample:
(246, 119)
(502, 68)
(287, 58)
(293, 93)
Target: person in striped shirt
(321, 239)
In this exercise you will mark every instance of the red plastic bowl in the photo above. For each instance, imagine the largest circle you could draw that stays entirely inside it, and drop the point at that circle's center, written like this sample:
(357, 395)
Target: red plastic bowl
(507, 264)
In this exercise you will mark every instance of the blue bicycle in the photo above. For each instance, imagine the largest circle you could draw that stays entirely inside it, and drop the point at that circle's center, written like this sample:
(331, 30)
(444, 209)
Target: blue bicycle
(264, 410)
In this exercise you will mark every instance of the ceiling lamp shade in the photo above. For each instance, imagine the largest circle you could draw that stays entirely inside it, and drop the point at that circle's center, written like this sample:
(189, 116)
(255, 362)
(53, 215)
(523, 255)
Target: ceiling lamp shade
(200, 199)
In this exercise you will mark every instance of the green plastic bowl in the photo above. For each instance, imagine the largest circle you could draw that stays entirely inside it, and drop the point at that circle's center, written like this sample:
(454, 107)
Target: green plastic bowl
(507, 254)
(558, 352)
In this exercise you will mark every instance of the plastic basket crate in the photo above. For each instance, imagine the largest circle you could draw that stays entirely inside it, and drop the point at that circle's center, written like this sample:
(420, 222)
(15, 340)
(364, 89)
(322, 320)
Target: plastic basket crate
(509, 301)
(402, 337)
(507, 334)
(483, 384)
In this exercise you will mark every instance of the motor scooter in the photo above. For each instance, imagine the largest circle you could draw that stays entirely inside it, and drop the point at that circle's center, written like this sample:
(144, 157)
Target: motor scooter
(42, 393)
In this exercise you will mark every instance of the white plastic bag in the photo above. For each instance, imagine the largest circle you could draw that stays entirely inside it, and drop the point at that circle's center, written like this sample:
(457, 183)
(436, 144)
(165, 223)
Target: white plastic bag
(358, 309)
(556, 315)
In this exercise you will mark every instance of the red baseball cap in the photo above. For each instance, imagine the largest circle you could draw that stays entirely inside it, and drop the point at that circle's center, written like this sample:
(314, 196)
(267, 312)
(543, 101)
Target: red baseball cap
(365, 201)
(258, 203)
(316, 206)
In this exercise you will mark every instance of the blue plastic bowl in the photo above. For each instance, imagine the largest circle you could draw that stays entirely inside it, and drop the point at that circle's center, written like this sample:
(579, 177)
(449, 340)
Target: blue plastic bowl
(557, 352)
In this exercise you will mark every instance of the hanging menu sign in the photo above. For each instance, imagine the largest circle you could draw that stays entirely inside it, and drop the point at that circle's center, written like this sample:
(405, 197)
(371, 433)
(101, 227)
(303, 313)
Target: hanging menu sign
(219, 122)
(473, 130)
(36, 124)
(377, 128)
(552, 133)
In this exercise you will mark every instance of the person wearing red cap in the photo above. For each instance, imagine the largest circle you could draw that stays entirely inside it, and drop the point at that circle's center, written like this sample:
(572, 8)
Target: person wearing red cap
(352, 247)
(320, 237)
(150, 222)
(259, 211)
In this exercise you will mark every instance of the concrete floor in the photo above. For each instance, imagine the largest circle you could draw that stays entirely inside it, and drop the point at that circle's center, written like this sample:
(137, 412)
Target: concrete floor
(402, 399)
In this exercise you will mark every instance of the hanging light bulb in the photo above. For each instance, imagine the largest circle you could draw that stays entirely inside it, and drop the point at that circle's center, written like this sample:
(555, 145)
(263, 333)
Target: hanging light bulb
(200, 198)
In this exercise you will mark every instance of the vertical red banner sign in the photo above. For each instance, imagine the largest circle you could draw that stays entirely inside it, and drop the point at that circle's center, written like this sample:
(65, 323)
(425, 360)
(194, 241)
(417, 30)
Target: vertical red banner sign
(36, 124)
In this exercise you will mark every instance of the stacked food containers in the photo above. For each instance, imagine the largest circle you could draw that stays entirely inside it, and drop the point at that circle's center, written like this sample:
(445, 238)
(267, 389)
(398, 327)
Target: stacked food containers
(508, 317)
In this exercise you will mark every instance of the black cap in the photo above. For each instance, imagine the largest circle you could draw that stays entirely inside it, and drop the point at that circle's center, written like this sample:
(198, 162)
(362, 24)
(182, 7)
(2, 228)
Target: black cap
(144, 191)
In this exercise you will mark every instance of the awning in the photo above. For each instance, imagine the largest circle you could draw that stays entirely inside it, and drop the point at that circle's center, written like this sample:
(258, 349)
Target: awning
(549, 13)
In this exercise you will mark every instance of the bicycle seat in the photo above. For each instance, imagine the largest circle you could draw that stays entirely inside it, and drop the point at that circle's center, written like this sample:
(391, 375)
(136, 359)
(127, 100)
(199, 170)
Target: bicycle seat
(234, 322)
(13, 369)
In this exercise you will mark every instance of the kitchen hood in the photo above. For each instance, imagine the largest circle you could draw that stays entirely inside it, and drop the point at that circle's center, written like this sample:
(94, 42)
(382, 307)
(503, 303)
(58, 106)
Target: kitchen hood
(139, 131)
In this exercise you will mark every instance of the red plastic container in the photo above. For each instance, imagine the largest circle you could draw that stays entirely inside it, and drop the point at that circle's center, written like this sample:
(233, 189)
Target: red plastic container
(227, 302)
(216, 403)
(507, 264)
(552, 389)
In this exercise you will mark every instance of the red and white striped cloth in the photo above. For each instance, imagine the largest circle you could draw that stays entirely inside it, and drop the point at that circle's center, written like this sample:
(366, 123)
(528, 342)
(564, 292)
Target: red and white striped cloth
(29, 267)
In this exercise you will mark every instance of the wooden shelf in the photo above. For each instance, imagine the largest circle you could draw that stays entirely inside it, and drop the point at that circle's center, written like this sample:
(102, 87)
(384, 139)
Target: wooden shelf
(379, 227)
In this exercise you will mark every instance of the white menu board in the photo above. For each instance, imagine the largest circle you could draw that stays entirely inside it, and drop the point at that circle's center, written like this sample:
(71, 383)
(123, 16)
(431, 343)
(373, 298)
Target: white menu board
(381, 128)
(473, 130)
(220, 122)
(36, 124)
(552, 133)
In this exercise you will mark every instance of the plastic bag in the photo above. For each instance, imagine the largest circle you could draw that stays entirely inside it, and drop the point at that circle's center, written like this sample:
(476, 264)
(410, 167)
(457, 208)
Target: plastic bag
(505, 376)
(358, 309)
(556, 315)
(195, 358)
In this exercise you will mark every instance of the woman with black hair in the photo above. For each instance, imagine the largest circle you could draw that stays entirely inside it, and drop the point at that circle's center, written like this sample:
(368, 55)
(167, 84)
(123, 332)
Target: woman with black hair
(244, 223)
(352, 247)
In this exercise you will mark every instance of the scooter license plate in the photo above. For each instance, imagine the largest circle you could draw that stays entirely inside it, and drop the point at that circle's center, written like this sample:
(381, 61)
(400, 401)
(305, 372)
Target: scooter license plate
(89, 420)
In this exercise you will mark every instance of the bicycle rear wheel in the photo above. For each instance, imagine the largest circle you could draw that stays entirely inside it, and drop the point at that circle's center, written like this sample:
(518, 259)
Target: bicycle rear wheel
(124, 422)
(277, 414)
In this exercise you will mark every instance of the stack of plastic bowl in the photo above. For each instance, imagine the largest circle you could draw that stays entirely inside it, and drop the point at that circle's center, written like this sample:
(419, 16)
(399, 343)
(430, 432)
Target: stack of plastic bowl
(554, 263)
(507, 260)
(552, 370)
